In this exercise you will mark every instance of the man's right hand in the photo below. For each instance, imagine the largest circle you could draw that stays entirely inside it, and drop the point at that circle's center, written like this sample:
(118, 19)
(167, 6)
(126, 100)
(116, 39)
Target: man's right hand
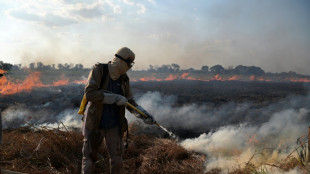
(119, 100)
(148, 118)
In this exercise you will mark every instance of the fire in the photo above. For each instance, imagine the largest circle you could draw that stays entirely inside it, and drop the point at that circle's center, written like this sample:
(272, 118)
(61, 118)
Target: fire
(217, 77)
(235, 77)
(2, 71)
(31, 81)
(61, 82)
(152, 78)
(254, 78)
(80, 81)
(9, 87)
(171, 77)
(186, 76)
(299, 80)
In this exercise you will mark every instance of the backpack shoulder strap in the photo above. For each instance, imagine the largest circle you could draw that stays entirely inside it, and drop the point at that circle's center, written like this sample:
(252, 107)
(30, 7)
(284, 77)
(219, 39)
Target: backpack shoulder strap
(105, 73)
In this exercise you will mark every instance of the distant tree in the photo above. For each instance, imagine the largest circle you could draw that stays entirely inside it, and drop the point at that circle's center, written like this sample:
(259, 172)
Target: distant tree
(218, 69)
(151, 68)
(68, 66)
(78, 66)
(163, 68)
(256, 70)
(205, 68)
(60, 66)
(47, 67)
(40, 65)
(5, 66)
(16, 67)
(32, 66)
(252, 70)
(175, 67)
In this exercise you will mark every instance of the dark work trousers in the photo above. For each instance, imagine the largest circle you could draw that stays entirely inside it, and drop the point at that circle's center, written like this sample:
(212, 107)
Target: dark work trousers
(92, 141)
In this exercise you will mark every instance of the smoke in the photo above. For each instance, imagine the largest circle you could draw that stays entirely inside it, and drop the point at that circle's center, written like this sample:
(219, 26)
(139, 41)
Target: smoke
(49, 107)
(20, 115)
(231, 134)
(196, 119)
(230, 146)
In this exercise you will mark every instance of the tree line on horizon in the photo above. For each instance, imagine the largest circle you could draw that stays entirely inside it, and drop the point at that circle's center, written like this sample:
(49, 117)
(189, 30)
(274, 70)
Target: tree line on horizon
(171, 68)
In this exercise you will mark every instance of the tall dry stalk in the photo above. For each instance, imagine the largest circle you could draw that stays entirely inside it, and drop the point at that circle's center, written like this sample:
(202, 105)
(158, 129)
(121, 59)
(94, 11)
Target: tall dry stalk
(309, 144)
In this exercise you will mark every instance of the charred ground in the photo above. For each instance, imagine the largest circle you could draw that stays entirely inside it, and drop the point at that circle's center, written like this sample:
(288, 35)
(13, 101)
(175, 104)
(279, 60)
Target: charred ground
(53, 101)
(220, 92)
(187, 91)
(53, 151)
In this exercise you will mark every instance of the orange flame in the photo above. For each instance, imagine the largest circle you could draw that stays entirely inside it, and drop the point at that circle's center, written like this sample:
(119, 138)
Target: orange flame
(2, 71)
(152, 78)
(61, 82)
(252, 77)
(299, 80)
(80, 81)
(217, 77)
(171, 77)
(32, 81)
(9, 87)
(235, 77)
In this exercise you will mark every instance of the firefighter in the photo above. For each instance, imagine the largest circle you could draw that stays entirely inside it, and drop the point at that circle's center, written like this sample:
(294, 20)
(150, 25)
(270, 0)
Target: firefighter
(107, 92)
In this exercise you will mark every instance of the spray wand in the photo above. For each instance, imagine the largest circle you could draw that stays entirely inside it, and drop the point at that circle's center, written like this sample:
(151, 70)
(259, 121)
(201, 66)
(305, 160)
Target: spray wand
(145, 116)
(140, 112)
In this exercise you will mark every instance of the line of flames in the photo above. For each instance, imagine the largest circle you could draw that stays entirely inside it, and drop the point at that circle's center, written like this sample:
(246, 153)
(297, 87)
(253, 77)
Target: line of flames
(33, 81)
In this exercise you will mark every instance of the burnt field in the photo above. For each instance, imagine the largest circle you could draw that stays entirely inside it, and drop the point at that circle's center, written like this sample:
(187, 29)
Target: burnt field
(208, 104)
(220, 92)
(213, 93)
(215, 121)
(199, 107)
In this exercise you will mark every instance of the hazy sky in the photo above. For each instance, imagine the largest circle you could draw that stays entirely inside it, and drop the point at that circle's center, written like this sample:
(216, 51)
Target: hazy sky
(272, 34)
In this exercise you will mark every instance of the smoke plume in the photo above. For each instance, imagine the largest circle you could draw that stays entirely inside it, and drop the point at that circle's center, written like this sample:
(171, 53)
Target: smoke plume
(233, 133)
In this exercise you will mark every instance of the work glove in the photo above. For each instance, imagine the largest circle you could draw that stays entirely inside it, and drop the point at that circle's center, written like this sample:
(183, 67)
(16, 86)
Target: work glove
(119, 100)
(149, 119)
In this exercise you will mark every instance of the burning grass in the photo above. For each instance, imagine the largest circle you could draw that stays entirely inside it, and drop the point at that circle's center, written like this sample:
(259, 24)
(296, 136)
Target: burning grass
(54, 151)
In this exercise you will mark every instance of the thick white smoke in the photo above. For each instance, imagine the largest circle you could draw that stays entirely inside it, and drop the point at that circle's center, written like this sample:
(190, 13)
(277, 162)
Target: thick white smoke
(19, 115)
(238, 131)
(231, 146)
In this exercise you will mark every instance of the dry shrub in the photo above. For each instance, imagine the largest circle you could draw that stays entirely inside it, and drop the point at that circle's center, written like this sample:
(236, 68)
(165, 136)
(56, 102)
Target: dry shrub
(54, 151)
(43, 151)
(161, 156)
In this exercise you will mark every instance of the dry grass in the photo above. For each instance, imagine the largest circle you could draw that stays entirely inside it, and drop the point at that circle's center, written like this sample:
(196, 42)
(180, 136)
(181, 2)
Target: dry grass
(54, 151)
(44, 151)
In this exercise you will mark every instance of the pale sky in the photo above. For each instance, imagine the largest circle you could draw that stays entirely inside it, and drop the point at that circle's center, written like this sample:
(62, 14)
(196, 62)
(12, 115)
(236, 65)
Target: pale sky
(272, 34)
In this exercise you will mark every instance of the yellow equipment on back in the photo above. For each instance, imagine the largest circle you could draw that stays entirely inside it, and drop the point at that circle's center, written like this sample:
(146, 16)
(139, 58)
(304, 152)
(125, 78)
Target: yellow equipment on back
(83, 105)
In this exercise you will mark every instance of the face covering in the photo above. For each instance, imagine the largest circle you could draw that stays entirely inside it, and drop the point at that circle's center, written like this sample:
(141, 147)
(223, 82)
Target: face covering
(117, 68)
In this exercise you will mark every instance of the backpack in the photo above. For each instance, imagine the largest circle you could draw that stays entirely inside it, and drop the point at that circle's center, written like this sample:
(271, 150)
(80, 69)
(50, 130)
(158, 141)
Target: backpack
(104, 77)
